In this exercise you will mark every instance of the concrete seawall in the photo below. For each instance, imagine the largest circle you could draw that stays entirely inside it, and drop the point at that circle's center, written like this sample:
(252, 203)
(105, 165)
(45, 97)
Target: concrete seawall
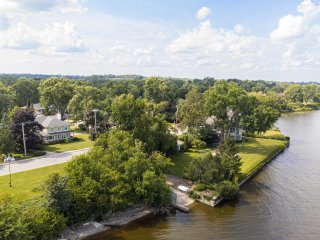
(257, 170)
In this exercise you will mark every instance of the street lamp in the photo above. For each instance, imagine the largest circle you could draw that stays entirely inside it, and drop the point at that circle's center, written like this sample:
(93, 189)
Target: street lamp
(9, 160)
(95, 119)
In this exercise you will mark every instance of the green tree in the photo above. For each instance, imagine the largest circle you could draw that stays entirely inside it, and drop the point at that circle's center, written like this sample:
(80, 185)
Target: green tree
(265, 117)
(191, 111)
(294, 93)
(156, 89)
(225, 102)
(126, 111)
(12, 224)
(230, 161)
(6, 139)
(7, 96)
(31, 128)
(26, 89)
(228, 190)
(309, 92)
(83, 101)
(55, 94)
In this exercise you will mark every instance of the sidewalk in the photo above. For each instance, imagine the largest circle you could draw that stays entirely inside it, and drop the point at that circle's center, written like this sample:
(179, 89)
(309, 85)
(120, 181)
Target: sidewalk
(38, 162)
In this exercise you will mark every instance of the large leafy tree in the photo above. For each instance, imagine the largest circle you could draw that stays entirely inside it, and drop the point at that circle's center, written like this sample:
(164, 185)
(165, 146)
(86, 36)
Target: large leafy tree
(309, 92)
(294, 93)
(7, 96)
(156, 89)
(225, 101)
(6, 138)
(26, 89)
(117, 172)
(83, 101)
(55, 93)
(144, 121)
(264, 117)
(191, 111)
(31, 128)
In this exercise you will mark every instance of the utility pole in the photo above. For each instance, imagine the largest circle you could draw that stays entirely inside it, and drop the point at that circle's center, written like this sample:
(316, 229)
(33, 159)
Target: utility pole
(95, 119)
(24, 140)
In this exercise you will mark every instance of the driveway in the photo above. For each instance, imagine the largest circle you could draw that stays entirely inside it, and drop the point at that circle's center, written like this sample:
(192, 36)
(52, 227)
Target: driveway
(38, 162)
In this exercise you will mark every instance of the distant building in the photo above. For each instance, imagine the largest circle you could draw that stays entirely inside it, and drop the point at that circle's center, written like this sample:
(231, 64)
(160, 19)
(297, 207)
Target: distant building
(54, 129)
(38, 110)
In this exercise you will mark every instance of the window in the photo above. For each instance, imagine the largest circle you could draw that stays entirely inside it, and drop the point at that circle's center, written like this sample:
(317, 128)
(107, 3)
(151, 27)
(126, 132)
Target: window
(66, 128)
(50, 138)
(58, 137)
(232, 130)
(63, 136)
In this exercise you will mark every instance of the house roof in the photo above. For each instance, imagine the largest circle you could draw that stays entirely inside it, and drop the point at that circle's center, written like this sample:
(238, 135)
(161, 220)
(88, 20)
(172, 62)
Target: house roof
(51, 121)
(36, 106)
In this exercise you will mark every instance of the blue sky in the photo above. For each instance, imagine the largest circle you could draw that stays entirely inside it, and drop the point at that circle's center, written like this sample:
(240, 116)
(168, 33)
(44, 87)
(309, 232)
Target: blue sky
(260, 16)
(247, 39)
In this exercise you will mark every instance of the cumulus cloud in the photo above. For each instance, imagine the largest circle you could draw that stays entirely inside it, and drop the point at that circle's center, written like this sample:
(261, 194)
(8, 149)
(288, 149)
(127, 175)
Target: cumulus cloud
(291, 27)
(63, 38)
(53, 39)
(203, 13)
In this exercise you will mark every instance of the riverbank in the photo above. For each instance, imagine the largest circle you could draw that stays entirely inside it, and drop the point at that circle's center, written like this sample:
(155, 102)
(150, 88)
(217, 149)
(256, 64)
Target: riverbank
(115, 220)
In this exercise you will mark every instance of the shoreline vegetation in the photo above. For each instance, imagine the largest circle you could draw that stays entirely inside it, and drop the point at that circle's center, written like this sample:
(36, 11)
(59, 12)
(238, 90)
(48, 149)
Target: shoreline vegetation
(132, 144)
(255, 153)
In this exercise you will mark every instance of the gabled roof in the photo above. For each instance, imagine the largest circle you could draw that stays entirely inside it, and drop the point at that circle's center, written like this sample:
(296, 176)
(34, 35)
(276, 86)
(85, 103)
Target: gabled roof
(51, 121)
(36, 106)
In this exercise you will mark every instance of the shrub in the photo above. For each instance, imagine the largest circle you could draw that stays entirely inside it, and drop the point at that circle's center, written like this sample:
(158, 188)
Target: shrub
(228, 190)
(82, 127)
(200, 187)
(198, 144)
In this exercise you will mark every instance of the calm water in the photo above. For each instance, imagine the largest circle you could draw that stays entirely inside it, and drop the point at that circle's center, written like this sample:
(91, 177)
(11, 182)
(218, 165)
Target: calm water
(281, 202)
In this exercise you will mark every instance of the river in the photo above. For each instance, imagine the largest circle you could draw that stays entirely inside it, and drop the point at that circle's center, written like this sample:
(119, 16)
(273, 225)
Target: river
(281, 202)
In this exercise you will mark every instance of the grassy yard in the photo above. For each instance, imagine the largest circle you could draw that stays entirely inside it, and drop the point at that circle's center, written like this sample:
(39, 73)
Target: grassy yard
(253, 154)
(182, 159)
(76, 129)
(83, 142)
(28, 184)
(274, 134)
(257, 150)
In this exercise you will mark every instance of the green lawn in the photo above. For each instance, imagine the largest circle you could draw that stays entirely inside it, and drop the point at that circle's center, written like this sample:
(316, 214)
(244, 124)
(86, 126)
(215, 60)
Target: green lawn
(76, 129)
(275, 134)
(258, 150)
(253, 154)
(182, 159)
(83, 142)
(28, 184)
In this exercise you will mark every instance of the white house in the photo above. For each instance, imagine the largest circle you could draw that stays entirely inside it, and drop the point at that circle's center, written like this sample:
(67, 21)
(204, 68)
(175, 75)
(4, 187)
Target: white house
(54, 129)
(235, 132)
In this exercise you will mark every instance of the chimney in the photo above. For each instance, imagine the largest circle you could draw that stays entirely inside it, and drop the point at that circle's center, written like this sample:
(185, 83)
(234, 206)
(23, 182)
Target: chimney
(59, 115)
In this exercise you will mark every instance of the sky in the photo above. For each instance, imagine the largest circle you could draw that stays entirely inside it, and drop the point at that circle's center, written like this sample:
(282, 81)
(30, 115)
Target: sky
(247, 39)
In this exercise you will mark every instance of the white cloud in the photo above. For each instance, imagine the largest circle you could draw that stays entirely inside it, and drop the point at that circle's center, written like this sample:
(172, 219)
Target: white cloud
(203, 13)
(53, 39)
(291, 27)
(41, 5)
(22, 36)
(38, 37)
(63, 38)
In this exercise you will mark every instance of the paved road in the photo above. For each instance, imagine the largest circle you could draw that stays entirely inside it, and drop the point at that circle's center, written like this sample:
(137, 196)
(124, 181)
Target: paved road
(38, 162)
